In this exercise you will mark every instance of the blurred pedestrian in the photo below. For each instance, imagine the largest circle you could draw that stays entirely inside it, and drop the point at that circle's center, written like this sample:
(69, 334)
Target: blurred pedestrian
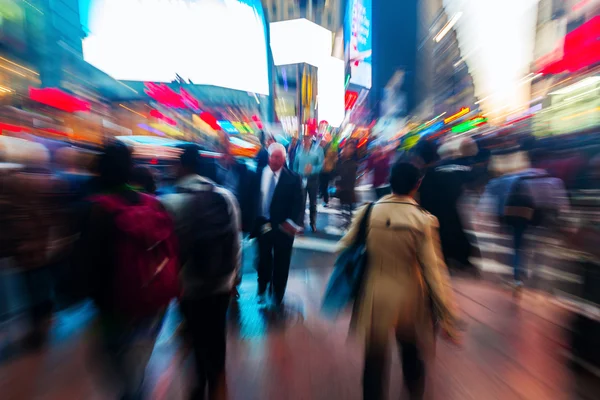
(523, 200)
(331, 158)
(208, 227)
(347, 171)
(142, 179)
(33, 223)
(405, 289)
(308, 164)
(440, 192)
(128, 246)
(379, 164)
(279, 203)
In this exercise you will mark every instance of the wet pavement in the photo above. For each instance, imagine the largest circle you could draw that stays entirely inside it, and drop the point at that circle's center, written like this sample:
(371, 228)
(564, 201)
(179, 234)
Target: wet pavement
(511, 349)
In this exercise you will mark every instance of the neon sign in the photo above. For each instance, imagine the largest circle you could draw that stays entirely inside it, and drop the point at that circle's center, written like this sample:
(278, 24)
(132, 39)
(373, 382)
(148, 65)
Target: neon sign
(463, 111)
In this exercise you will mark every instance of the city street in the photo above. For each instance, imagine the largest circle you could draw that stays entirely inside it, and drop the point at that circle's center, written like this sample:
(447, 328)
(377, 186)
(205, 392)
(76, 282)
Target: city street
(511, 350)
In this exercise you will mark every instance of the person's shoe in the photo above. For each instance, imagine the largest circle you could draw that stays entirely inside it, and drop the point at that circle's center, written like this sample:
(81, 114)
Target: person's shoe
(326, 205)
(518, 289)
(262, 295)
(313, 227)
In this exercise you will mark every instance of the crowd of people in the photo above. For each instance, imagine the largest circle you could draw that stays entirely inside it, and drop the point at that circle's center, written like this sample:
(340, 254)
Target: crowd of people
(84, 226)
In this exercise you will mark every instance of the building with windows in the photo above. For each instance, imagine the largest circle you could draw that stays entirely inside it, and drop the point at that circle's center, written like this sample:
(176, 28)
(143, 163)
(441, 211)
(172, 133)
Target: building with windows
(326, 13)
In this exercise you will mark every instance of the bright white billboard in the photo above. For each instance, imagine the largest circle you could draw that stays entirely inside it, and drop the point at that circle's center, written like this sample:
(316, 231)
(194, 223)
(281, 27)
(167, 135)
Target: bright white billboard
(300, 41)
(210, 42)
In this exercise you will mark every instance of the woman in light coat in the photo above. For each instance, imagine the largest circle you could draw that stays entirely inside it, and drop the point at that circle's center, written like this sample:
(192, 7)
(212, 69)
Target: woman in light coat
(406, 286)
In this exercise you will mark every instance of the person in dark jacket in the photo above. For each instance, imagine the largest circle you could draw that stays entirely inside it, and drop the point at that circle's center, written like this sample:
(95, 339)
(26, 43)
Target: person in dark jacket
(206, 296)
(439, 193)
(278, 205)
(126, 341)
(347, 171)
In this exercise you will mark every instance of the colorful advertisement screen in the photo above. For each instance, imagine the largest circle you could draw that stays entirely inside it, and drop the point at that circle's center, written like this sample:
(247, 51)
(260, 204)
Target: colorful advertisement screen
(209, 42)
(357, 32)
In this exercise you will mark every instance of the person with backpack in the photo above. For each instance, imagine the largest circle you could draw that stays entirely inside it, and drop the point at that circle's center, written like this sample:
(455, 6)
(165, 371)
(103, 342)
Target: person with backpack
(208, 226)
(129, 248)
(522, 200)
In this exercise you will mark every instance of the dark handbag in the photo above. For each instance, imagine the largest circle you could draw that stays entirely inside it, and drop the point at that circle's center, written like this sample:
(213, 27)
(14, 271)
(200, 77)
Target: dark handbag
(348, 273)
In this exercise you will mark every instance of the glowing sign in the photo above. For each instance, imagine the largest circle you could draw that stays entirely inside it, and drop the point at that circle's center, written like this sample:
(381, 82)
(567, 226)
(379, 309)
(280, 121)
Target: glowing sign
(56, 98)
(468, 125)
(463, 111)
(350, 99)
(227, 126)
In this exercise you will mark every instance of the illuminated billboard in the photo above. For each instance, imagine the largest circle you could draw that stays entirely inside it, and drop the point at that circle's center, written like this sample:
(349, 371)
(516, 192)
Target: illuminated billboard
(209, 42)
(359, 48)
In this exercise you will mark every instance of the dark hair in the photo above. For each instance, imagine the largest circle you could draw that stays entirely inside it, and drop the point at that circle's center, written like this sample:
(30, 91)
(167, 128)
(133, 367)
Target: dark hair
(143, 177)
(404, 178)
(427, 150)
(190, 157)
(115, 165)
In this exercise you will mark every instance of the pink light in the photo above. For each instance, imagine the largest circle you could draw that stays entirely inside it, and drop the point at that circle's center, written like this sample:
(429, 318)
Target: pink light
(56, 98)
(164, 95)
(158, 115)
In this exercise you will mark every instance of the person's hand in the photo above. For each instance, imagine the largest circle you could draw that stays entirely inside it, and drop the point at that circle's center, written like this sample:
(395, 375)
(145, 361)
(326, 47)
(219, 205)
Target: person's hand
(287, 228)
(452, 337)
(308, 169)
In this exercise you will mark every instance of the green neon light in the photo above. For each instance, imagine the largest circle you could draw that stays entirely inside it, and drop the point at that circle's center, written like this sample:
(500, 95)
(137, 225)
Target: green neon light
(468, 125)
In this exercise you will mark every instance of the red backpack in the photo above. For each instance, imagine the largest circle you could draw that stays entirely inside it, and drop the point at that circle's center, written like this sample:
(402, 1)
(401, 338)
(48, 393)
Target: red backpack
(147, 261)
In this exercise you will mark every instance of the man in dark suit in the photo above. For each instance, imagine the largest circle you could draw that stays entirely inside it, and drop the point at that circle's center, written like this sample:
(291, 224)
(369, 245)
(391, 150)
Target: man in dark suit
(278, 206)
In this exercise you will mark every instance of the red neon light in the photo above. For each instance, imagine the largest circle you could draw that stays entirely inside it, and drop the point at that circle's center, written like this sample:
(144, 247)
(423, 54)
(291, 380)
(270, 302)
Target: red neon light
(581, 49)
(189, 100)
(362, 142)
(350, 99)
(158, 115)
(56, 98)
(11, 128)
(154, 161)
(210, 120)
(164, 95)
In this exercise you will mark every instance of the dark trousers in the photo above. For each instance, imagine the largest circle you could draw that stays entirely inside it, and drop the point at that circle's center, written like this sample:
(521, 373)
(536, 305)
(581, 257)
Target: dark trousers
(206, 324)
(127, 346)
(519, 267)
(274, 256)
(39, 288)
(311, 190)
(324, 179)
(382, 191)
(376, 371)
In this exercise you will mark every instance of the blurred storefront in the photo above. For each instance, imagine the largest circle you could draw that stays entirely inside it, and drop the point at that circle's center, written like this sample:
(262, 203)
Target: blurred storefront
(566, 70)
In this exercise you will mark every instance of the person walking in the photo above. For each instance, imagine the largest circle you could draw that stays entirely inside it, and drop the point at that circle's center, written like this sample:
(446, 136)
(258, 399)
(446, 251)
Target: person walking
(440, 192)
(331, 158)
(278, 204)
(523, 200)
(405, 289)
(208, 227)
(379, 165)
(347, 171)
(308, 163)
(128, 246)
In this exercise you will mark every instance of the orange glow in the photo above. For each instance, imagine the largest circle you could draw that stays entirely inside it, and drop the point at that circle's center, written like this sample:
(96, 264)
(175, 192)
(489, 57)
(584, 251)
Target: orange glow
(463, 111)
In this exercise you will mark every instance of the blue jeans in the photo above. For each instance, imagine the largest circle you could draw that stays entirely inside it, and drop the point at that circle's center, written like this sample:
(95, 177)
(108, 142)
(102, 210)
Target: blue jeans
(519, 266)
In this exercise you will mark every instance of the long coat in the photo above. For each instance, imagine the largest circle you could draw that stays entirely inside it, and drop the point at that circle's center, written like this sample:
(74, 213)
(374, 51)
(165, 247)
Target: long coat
(406, 273)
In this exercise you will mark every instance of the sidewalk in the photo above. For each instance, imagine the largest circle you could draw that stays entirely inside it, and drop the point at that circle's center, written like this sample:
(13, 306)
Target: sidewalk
(511, 351)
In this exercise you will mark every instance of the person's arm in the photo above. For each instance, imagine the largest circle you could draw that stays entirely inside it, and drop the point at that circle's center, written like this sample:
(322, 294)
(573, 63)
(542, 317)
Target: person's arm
(436, 277)
(350, 236)
(296, 166)
(236, 223)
